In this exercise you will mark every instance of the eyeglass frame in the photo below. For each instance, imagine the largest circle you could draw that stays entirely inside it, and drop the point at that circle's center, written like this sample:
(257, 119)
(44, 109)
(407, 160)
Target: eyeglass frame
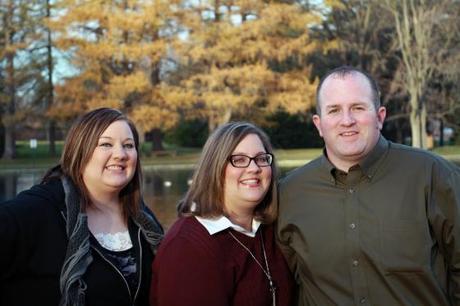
(230, 160)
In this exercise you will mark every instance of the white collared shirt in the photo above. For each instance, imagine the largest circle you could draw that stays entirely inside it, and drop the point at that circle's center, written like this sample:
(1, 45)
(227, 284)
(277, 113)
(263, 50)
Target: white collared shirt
(221, 223)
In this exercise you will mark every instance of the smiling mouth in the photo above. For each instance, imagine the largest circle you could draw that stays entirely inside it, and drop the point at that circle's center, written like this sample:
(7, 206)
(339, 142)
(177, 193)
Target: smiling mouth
(348, 134)
(251, 182)
(115, 167)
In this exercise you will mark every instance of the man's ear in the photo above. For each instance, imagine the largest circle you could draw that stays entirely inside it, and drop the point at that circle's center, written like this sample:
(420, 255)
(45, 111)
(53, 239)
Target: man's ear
(317, 122)
(381, 114)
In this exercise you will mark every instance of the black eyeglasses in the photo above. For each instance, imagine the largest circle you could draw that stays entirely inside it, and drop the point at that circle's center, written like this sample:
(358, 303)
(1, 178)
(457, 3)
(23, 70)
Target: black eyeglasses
(243, 161)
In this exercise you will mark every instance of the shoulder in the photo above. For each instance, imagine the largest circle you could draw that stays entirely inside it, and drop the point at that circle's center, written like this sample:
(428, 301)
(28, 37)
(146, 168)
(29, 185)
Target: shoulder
(315, 169)
(37, 200)
(187, 235)
(421, 159)
(152, 219)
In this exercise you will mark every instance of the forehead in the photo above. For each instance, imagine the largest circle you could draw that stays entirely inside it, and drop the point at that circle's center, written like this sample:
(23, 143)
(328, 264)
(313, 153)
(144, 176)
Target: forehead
(345, 89)
(119, 128)
(248, 143)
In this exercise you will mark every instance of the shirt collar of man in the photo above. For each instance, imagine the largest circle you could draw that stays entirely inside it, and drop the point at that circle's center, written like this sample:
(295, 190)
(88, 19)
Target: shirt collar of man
(368, 166)
(215, 225)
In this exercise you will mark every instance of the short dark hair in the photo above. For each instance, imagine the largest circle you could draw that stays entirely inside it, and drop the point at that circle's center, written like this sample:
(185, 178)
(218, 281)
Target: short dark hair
(342, 72)
(79, 146)
(206, 193)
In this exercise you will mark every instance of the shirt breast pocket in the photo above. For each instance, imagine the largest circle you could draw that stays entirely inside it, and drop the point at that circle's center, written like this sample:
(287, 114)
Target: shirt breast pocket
(405, 246)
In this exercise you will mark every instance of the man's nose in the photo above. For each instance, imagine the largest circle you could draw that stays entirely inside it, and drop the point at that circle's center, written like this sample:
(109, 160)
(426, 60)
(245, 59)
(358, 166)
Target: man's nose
(348, 118)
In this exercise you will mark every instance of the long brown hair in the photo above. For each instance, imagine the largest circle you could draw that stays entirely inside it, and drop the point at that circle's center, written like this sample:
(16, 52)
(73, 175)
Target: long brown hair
(205, 197)
(79, 146)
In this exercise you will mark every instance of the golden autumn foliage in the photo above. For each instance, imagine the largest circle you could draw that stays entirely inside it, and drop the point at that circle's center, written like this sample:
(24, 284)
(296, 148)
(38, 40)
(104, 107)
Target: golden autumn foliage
(254, 54)
(117, 47)
(223, 59)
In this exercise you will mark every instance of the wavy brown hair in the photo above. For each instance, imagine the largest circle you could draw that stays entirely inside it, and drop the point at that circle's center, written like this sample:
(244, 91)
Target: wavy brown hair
(205, 197)
(79, 146)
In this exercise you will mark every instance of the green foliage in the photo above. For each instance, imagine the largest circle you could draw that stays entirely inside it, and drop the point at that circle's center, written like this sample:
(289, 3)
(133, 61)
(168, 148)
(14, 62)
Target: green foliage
(189, 133)
(23, 149)
(292, 131)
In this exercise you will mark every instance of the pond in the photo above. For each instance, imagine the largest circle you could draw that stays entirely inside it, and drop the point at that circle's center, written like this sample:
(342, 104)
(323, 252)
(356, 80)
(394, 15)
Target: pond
(163, 187)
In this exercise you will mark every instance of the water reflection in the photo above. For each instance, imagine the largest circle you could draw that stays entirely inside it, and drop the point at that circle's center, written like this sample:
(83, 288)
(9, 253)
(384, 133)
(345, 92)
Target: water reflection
(162, 188)
(162, 191)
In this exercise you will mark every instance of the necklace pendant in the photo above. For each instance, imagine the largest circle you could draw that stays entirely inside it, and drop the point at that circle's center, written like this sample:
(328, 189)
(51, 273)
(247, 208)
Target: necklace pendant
(273, 291)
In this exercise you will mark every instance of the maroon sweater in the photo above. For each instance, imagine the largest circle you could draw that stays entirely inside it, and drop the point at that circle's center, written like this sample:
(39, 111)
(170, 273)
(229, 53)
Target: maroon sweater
(194, 268)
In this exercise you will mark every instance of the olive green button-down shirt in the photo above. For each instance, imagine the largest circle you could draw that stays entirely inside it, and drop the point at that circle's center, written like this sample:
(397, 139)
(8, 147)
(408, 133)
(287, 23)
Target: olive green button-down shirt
(385, 233)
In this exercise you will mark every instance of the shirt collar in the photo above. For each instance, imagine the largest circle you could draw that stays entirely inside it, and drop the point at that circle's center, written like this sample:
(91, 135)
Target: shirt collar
(221, 223)
(368, 165)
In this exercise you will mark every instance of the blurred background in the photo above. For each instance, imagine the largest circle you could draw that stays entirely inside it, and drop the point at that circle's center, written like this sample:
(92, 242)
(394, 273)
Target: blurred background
(181, 68)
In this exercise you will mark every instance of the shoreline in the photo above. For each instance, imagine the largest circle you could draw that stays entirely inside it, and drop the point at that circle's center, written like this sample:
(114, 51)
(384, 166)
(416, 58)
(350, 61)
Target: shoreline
(284, 163)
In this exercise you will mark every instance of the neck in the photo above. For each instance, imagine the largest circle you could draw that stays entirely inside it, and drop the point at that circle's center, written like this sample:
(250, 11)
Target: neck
(107, 203)
(242, 219)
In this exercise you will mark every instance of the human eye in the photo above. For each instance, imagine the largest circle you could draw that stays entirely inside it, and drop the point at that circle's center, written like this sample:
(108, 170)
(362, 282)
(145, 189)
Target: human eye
(332, 110)
(263, 159)
(105, 144)
(358, 108)
(129, 146)
(239, 160)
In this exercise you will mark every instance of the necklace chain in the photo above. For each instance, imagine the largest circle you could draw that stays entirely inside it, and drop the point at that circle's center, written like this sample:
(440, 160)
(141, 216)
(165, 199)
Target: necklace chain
(266, 270)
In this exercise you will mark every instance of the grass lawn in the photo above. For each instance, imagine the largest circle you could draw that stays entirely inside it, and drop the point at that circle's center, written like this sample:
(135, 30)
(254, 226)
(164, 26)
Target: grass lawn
(38, 158)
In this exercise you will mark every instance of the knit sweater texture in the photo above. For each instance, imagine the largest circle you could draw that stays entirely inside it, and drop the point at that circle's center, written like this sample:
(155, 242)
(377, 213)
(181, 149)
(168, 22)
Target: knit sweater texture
(195, 268)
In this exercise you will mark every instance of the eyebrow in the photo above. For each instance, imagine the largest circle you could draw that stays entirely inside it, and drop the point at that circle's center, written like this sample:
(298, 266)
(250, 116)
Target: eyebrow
(108, 137)
(242, 153)
(340, 105)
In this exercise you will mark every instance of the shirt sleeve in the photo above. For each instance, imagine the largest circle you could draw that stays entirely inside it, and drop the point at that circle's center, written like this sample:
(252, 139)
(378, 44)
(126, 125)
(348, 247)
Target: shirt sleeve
(22, 223)
(186, 272)
(444, 208)
(9, 243)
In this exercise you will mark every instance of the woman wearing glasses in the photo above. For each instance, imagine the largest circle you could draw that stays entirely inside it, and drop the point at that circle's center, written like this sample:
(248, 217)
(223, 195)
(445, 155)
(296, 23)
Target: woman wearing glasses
(222, 250)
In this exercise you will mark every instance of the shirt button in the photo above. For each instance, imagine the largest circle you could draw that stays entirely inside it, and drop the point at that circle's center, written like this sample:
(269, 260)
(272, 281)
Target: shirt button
(362, 301)
(355, 263)
(352, 225)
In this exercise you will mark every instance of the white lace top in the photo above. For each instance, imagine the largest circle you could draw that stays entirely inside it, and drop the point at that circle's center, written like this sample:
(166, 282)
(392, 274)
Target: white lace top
(119, 241)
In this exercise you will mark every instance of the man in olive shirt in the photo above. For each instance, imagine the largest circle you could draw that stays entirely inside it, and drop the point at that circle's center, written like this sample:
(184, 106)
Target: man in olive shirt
(370, 222)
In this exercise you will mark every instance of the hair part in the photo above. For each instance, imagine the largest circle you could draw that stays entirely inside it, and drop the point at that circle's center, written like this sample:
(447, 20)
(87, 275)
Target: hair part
(205, 196)
(343, 72)
(79, 146)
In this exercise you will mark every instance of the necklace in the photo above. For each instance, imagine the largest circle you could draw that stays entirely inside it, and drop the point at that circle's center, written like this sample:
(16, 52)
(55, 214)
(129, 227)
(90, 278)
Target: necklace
(266, 270)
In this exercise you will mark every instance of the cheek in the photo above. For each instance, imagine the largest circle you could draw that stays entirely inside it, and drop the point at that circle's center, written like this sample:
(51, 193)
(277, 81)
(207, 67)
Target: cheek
(133, 157)
(268, 174)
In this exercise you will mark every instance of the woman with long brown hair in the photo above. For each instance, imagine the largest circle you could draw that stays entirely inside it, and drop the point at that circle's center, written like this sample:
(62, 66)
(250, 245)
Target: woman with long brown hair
(83, 236)
(222, 249)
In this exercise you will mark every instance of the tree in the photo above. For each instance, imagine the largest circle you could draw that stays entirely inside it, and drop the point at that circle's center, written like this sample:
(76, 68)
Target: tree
(118, 48)
(418, 24)
(243, 59)
(17, 24)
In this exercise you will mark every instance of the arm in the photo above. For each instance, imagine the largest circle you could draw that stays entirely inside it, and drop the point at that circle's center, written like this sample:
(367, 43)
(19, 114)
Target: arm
(187, 272)
(444, 210)
(10, 237)
(283, 230)
(24, 220)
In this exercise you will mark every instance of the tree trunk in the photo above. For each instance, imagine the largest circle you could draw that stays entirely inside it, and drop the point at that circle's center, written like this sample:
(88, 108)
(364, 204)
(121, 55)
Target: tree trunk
(215, 120)
(51, 128)
(2, 138)
(441, 132)
(10, 121)
(418, 126)
(157, 140)
(10, 91)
